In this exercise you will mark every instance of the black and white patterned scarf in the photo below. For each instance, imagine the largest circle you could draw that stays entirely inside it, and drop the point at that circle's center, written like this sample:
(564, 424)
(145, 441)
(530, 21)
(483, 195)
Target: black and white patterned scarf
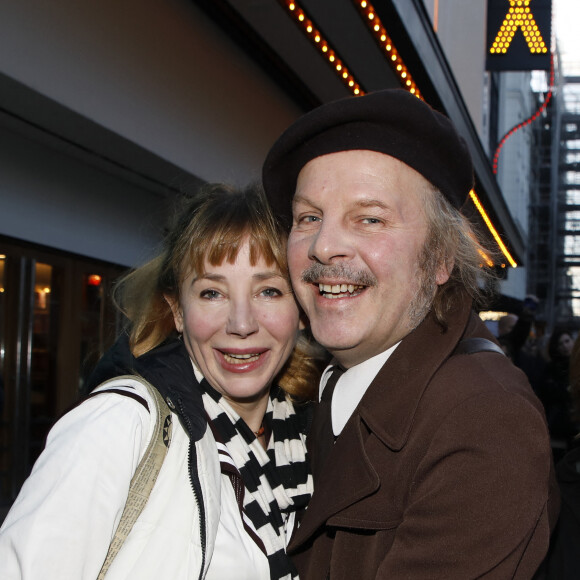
(269, 484)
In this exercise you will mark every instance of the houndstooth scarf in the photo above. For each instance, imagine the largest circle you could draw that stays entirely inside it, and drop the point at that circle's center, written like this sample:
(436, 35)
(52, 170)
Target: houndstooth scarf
(269, 484)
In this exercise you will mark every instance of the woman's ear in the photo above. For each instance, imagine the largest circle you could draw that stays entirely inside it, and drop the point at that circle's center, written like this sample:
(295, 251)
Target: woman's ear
(176, 311)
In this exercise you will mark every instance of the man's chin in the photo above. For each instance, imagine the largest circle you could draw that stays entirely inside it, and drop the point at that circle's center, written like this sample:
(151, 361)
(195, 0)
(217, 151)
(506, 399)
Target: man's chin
(336, 346)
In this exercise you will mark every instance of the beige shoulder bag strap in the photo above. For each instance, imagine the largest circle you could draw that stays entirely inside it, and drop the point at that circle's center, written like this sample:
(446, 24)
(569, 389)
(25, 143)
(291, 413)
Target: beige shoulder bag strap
(145, 475)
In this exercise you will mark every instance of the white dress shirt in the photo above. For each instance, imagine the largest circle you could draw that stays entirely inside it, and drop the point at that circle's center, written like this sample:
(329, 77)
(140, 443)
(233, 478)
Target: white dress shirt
(351, 387)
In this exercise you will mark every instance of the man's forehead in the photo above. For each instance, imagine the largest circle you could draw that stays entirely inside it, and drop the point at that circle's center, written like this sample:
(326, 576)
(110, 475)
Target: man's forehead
(359, 172)
(358, 160)
(303, 198)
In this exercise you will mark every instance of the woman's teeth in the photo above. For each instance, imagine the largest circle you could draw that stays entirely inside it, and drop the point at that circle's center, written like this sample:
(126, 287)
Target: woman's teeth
(238, 359)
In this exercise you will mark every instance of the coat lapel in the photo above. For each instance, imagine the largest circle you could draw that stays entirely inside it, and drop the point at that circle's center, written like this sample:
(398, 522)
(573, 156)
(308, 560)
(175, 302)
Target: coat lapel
(392, 398)
(348, 477)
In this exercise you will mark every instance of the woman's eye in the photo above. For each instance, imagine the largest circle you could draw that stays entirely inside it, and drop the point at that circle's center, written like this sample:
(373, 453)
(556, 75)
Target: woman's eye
(371, 220)
(271, 292)
(210, 294)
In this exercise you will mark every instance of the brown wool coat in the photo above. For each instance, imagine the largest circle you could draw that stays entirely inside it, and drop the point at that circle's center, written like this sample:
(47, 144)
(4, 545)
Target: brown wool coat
(444, 471)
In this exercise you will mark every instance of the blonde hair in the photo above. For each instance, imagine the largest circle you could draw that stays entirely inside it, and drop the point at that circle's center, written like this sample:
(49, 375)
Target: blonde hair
(213, 225)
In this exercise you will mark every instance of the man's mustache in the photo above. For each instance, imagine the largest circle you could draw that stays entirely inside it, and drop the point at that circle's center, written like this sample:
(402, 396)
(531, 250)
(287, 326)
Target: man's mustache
(316, 272)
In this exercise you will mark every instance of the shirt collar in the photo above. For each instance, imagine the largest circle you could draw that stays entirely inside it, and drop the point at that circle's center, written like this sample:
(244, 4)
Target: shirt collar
(351, 386)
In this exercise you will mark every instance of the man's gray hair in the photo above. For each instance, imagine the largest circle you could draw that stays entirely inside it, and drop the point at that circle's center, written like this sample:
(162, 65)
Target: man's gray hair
(452, 240)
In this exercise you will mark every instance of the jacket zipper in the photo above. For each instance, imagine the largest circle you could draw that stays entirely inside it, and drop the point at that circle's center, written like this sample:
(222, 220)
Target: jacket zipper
(196, 487)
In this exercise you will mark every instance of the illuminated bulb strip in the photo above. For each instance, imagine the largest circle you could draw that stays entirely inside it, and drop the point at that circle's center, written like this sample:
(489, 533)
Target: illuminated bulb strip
(493, 231)
(523, 124)
(385, 43)
(327, 52)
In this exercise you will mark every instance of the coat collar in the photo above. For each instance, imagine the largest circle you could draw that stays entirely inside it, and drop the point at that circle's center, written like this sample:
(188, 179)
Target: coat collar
(387, 409)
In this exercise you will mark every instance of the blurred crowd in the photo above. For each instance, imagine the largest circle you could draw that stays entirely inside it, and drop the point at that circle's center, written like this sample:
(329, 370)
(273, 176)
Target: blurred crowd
(551, 361)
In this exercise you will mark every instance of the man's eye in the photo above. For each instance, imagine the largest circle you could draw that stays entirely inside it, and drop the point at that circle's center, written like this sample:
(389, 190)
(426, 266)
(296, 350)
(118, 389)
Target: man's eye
(308, 219)
(371, 220)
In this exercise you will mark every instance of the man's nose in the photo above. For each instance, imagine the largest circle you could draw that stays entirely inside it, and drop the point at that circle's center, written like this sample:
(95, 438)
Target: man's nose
(242, 320)
(331, 243)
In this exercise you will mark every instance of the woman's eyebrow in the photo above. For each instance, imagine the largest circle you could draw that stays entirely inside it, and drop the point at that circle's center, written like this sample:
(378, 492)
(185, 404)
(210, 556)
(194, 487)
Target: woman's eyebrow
(268, 275)
(209, 276)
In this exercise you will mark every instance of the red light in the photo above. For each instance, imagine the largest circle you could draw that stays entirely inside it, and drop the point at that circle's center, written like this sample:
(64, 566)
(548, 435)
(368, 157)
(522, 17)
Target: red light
(525, 123)
(94, 280)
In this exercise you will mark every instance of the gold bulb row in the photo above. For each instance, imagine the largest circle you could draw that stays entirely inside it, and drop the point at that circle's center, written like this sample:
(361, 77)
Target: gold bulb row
(379, 32)
(327, 52)
(385, 43)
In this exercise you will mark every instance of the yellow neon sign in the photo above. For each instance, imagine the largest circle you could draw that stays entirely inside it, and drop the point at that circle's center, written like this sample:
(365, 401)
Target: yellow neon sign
(493, 231)
(519, 17)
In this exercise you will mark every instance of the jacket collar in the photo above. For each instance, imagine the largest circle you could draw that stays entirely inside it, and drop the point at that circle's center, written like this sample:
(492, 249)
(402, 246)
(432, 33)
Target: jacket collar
(168, 368)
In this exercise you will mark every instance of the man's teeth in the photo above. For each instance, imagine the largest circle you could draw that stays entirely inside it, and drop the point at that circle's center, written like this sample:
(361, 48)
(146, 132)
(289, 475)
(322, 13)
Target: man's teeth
(337, 290)
(238, 359)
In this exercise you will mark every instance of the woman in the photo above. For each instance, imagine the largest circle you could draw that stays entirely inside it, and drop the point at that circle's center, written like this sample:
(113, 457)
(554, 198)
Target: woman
(235, 473)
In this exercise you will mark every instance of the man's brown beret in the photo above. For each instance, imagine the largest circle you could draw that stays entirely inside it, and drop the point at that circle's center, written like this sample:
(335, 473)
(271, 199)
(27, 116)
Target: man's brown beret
(391, 121)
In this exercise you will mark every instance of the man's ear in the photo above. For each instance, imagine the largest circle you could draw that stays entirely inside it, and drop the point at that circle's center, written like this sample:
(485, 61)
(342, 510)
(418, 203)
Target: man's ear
(444, 271)
(176, 311)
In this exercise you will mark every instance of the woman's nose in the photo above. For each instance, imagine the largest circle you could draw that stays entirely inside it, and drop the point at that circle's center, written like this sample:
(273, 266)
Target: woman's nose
(242, 320)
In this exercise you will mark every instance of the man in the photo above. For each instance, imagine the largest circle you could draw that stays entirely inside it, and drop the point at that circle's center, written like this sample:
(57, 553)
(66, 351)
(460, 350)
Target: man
(441, 465)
